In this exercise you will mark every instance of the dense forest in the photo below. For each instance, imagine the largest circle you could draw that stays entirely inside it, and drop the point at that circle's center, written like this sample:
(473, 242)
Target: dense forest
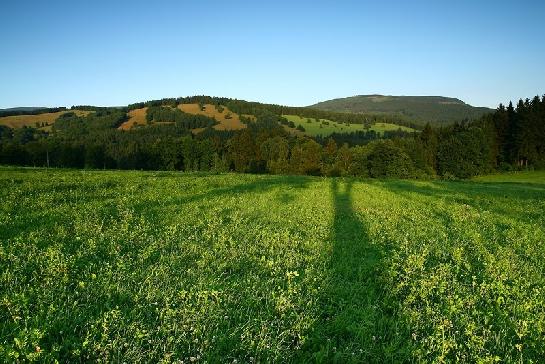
(509, 138)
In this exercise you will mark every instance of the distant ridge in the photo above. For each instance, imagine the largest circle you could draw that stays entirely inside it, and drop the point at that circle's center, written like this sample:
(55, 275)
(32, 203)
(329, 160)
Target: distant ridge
(437, 109)
(23, 108)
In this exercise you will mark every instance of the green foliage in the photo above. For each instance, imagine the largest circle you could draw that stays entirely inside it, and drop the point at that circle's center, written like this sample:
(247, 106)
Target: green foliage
(510, 139)
(388, 160)
(346, 132)
(183, 120)
(464, 153)
(30, 111)
(255, 108)
(69, 124)
(150, 267)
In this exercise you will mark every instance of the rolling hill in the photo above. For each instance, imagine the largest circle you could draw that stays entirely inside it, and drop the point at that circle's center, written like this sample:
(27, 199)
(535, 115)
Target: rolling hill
(43, 121)
(341, 116)
(227, 120)
(325, 127)
(437, 109)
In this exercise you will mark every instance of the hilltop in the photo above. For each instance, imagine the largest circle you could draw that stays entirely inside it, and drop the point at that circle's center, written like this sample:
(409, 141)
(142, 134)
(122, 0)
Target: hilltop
(437, 109)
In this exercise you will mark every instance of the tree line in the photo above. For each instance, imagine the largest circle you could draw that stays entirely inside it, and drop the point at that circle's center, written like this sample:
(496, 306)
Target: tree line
(509, 138)
(256, 108)
(185, 120)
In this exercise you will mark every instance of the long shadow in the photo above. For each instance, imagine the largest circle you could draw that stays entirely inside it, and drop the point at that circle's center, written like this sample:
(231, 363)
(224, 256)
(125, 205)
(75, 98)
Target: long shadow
(504, 199)
(356, 324)
(151, 207)
(93, 307)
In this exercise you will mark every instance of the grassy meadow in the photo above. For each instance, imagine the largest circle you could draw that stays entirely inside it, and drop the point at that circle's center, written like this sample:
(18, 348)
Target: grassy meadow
(135, 117)
(327, 127)
(122, 266)
(19, 121)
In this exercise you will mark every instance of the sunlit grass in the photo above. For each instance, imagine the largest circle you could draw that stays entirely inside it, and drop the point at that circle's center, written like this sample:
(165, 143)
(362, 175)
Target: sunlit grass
(144, 266)
(325, 127)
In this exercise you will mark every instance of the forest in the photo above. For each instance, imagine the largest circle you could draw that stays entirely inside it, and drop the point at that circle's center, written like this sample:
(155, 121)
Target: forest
(511, 137)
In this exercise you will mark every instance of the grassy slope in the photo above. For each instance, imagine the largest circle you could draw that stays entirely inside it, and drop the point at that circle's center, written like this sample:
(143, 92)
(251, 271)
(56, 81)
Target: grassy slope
(141, 266)
(136, 117)
(421, 108)
(224, 123)
(313, 127)
(18, 121)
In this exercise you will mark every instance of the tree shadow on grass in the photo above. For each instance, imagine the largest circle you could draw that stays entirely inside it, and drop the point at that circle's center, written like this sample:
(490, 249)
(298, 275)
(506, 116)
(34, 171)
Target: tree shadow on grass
(94, 305)
(502, 198)
(356, 324)
(262, 184)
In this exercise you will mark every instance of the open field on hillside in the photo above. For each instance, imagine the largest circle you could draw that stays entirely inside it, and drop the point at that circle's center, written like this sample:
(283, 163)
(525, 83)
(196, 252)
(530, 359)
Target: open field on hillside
(326, 127)
(136, 117)
(164, 266)
(18, 121)
(227, 120)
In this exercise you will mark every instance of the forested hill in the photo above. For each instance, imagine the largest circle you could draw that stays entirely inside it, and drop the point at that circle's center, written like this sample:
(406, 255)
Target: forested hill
(203, 133)
(416, 108)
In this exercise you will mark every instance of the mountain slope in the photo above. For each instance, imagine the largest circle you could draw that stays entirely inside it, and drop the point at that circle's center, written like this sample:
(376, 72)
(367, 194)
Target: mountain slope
(418, 108)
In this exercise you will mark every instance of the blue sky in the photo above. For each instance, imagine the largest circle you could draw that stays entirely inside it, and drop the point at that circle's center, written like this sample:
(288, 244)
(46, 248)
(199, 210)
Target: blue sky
(63, 53)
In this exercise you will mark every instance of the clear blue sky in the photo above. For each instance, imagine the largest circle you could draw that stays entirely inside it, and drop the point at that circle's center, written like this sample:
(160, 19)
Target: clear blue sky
(61, 53)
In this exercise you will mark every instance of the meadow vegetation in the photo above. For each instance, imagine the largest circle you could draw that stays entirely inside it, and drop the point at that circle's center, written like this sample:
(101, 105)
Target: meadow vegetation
(135, 117)
(42, 121)
(226, 119)
(325, 127)
(185, 267)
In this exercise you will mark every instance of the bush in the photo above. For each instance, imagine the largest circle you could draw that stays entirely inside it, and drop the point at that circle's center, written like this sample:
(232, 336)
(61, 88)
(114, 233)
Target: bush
(389, 160)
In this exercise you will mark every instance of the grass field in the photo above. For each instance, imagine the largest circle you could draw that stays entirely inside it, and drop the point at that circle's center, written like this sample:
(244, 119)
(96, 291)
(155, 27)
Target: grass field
(136, 117)
(171, 267)
(18, 121)
(514, 177)
(326, 127)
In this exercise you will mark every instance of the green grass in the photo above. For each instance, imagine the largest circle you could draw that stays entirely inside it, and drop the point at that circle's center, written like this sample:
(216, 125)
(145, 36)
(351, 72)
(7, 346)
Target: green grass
(515, 177)
(141, 266)
(312, 127)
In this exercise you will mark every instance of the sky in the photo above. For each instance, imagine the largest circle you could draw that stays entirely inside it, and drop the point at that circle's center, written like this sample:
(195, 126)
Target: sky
(112, 53)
